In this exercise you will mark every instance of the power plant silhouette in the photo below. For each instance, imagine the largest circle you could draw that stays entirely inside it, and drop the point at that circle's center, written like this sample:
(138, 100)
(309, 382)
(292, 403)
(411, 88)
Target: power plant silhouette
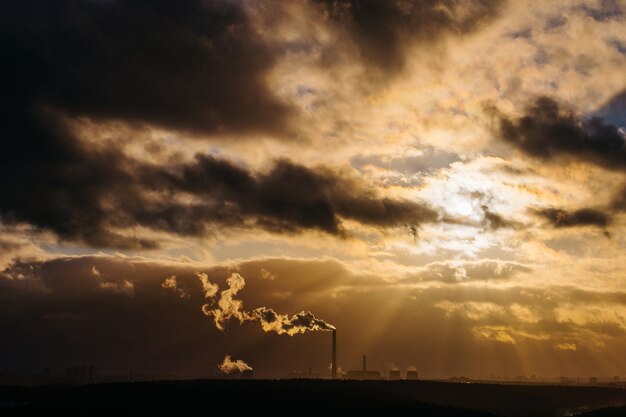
(363, 373)
(335, 373)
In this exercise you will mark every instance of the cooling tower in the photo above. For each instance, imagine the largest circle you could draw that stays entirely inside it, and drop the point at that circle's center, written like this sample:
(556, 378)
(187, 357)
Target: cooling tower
(412, 375)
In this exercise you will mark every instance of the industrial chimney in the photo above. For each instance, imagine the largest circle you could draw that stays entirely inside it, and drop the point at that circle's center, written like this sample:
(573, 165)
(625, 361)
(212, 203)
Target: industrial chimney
(364, 363)
(334, 359)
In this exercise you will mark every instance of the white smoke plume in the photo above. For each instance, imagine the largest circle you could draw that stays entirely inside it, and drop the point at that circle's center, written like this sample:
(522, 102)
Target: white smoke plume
(229, 366)
(281, 323)
(339, 369)
(208, 287)
(228, 307)
(171, 283)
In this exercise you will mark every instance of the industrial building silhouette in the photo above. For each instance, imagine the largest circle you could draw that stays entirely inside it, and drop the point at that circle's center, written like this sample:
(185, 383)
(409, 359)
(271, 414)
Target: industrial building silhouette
(360, 374)
(412, 375)
(394, 374)
(363, 373)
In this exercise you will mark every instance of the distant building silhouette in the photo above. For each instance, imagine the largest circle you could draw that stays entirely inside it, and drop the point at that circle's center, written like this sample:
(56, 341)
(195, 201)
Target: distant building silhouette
(462, 379)
(303, 375)
(412, 375)
(80, 374)
(394, 374)
(364, 373)
(593, 380)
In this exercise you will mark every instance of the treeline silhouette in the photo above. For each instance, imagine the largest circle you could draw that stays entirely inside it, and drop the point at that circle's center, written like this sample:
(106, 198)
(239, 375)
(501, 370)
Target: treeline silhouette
(310, 398)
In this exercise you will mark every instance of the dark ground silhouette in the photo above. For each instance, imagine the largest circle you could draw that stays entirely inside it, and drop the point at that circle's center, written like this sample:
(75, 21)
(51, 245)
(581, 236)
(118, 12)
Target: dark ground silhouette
(312, 398)
(606, 412)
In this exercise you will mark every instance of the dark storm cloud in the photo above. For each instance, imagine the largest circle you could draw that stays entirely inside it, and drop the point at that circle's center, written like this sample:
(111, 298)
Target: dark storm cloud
(548, 131)
(290, 197)
(194, 66)
(190, 65)
(581, 217)
(381, 30)
(551, 132)
(87, 194)
(53, 181)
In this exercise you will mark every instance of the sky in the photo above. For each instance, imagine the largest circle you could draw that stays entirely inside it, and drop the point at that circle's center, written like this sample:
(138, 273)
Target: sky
(442, 181)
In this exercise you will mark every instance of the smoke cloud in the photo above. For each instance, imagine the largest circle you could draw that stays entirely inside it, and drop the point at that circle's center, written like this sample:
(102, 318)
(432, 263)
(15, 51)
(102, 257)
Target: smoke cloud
(208, 287)
(228, 307)
(171, 283)
(281, 323)
(229, 366)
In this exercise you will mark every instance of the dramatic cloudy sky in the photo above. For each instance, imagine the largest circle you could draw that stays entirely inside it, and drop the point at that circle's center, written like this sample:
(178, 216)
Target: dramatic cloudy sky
(442, 180)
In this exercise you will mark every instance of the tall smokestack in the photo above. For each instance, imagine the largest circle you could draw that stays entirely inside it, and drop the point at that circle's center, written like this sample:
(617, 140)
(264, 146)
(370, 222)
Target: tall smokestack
(364, 363)
(334, 362)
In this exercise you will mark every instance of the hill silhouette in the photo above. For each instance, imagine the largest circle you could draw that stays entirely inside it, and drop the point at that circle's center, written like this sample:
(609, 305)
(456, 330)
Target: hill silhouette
(311, 398)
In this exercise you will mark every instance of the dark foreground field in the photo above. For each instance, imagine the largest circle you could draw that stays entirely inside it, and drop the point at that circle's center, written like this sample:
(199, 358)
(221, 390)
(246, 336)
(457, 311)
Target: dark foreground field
(311, 398)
